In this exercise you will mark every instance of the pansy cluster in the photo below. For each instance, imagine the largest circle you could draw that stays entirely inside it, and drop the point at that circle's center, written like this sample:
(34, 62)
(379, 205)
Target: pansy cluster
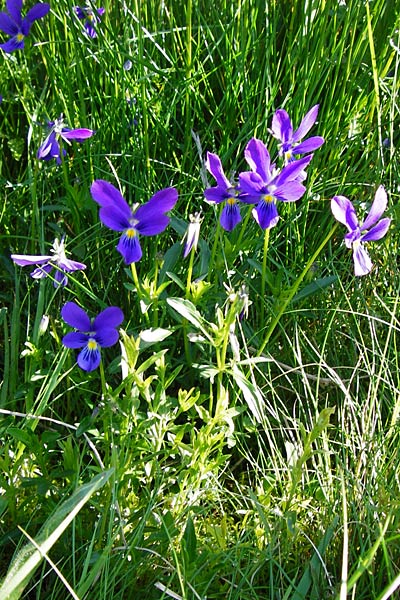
(262, 187)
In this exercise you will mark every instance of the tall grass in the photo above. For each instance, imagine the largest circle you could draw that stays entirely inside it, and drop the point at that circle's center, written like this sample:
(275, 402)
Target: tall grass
(238, 458)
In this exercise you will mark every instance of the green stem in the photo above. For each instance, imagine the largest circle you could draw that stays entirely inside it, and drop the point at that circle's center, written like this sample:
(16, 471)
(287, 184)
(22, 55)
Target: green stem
(264, 275)
(293, 290)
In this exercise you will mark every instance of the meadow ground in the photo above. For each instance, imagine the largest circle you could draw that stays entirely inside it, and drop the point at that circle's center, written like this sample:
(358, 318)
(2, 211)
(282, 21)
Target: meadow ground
(228, 427)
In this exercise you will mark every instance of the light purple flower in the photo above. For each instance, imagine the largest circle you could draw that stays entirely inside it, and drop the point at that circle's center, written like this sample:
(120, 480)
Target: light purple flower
(282, 129)
(370, 230)
(224, 191)
(192, 233)
(265, 185)
(46, 263)
(92, 334)
(147, 219)
(92, 18)
(51, 145)
(18, 28)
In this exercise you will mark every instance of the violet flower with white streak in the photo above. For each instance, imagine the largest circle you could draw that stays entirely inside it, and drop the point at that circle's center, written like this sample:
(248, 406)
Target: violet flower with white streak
(46, 263)
(371, 229)
(282, 130)
(92, 18)
(225, 192)
(58, 131)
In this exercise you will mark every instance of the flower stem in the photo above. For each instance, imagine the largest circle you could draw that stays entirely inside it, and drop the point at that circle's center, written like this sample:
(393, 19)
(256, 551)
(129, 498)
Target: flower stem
(264, 275)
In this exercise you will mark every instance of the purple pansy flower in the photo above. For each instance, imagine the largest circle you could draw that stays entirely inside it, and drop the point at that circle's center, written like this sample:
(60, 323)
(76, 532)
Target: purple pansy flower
(344, 212)
(264, 186)
(92, 18)
(46, 263)
(282, 129)
(147, 219)
(17, 27)
(92, 334)
(51, 146)
(224, 191)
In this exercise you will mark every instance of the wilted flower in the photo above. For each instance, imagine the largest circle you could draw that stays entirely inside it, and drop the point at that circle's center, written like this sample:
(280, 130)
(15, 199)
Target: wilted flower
(92, 18)
(224, 191)
(51, 146)
(92, 334)
(46, 263)
(265, 185)
(17, 27)
(282, 129)
(344, 212)
(147, 219)
(192, 233)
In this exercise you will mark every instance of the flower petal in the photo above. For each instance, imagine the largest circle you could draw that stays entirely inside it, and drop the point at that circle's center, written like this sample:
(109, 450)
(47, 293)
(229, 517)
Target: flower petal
(377, 232)
(292, 170)
(306, 124)
(41, 272)
(89, 359)
(215, 194)
(252, 185)
(104, 193)
(75, 316)
(214, 166)
(14, 8)
(49, 147)
(266, 214)
(79, 135)
(90, 30)
(107, 336)
(344, 212)
(70, 265)
(152, 224)
(113, 218)
(282, 126)
(308, 145)
(37, 12)
(75, 339)
(257, 156)
(289, 191)
(23, 260)
(108, 318)
(13, 44)
(129, 248)
(7, 24)
(230, 216)
(362, 261)
(377, 209)
(162, 201)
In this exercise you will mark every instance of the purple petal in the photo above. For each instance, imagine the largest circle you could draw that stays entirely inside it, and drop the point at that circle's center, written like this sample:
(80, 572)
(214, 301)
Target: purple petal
(49, 148)
(75, 316)
(7, 25)
(266, 214)
(23, 260)
(41, 272)
(152, 224)
(113, 218)
(89, 359)
(14, 8)
(71, 265)
(79, 12)
(106, 337)
(344, 212)
(257, 156)
(309, 145)
(79, 135)
(377, 209)
(215, 194)
(108, 318)
(214, 166)
(37, 12)
(101, 11)
(252, 185)
(306, 124)
(60, 278)
(129, 247)
(230, 216)
(162, 201)
(12, 45)
(75, 339)
(290, 191)
(90, 30)
(282, 126)
(362, 261)
(104, 193)
(377, 232)
(292, 170)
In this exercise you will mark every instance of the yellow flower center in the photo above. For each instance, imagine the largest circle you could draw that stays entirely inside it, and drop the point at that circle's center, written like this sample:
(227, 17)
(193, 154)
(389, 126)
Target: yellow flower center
(231, 201)
(20, 37)
(130, 233)
(268, 198)
(92, 344)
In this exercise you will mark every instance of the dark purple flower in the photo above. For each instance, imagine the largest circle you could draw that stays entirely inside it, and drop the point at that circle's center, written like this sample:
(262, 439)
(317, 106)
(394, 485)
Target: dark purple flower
(46, 263)
(344, 212)
(290, 145)
(92, 18)
(51, 146)
(147, 219)
(224, 191)
(264, 186)
(92, 334)
(17, 27)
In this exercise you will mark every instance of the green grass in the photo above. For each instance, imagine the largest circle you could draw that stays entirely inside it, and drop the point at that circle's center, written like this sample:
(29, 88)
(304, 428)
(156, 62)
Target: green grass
(246, 459)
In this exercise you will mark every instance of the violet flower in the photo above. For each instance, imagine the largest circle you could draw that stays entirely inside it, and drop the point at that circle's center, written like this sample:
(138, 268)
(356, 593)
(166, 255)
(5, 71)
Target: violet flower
(92, 335)
(192, 233)
(46, 263)
(51, 145)
(264, 186)
(17, 27)
(282, 129)
(92, 18)
(147, 219)
(224, 191)
(344, 212)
